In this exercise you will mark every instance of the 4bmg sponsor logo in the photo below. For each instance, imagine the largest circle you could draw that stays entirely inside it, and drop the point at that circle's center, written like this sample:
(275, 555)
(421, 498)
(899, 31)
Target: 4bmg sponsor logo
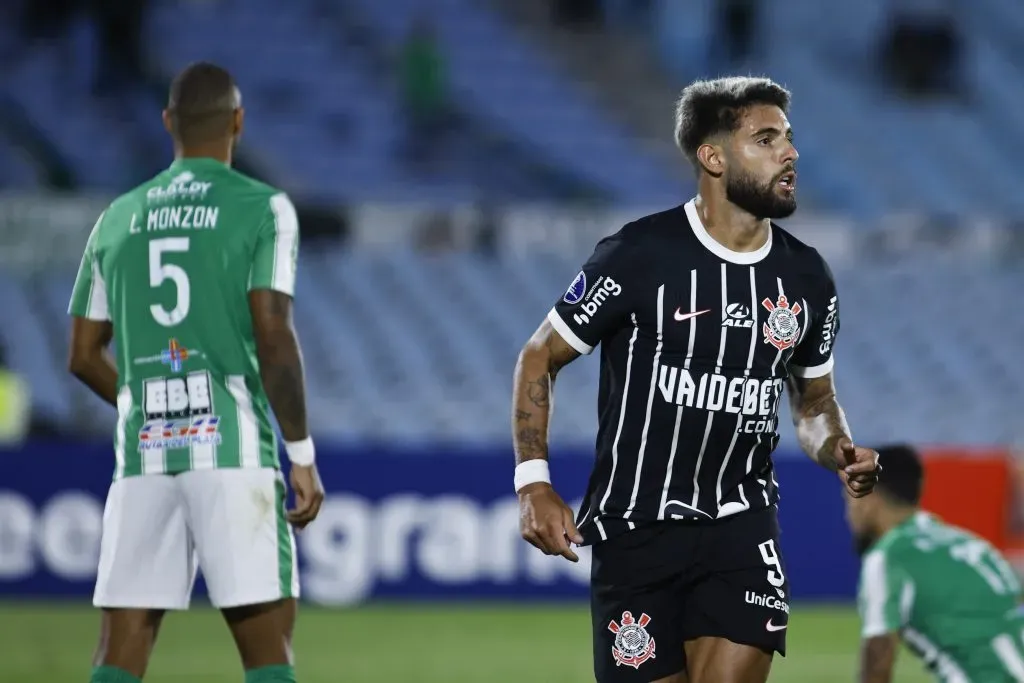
(603, 289)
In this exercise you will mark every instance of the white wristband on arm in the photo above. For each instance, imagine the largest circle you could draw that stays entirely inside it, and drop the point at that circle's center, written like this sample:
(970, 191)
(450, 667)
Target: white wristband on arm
(531, 472)
(301, 453)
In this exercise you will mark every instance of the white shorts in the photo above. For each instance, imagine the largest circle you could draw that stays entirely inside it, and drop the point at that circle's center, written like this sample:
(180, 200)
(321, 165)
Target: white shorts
(158, 529)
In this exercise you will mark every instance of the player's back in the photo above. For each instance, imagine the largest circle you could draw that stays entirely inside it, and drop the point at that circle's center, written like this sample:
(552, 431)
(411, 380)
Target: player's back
(176, 258)
(958, 599)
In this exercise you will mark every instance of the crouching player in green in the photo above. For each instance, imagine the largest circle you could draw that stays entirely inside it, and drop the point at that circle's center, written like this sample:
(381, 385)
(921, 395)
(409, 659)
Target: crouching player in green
(947, 594)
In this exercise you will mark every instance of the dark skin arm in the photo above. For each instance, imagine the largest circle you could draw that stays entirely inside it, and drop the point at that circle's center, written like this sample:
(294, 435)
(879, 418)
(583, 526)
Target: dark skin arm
(277, 348)
(281, 370)
(89, 357)
(824, 435)
(545, 520)
(877, 658)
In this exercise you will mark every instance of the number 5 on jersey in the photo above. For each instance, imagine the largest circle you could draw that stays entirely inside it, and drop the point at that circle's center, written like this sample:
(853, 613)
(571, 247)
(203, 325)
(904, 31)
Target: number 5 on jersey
(160, 272)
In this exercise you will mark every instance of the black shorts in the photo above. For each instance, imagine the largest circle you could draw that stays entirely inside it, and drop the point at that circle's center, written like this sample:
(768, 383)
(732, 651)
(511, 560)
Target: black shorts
(660, 585)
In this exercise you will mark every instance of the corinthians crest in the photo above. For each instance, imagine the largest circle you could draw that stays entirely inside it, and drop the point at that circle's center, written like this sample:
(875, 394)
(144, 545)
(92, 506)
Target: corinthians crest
(633, 644)
(783, 326)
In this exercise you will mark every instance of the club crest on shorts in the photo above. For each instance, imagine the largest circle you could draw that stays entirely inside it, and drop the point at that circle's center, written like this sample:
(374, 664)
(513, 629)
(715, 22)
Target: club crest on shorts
(633, 644)
(783, 326)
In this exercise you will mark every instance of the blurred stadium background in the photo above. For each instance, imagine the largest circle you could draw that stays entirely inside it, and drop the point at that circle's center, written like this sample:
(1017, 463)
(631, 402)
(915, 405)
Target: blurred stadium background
(453, 162)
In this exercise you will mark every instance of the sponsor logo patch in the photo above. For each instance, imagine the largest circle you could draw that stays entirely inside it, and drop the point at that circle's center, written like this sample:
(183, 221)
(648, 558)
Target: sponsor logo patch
(576, 290)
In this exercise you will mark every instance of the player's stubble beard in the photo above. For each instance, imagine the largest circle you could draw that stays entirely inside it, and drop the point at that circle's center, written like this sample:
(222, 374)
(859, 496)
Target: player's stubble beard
(759, 199)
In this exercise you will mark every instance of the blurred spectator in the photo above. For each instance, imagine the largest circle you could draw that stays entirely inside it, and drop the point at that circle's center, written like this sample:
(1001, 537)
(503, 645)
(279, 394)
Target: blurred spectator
(425, 96)
(119, 24)
(628, 13)
(48, 20)
(576, 13)
(14, 405)
(923, 49)
(736, 22)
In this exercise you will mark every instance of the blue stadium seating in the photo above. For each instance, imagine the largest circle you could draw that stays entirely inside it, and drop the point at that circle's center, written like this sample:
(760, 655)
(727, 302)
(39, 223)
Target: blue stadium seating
(324, 115)
(405, 346)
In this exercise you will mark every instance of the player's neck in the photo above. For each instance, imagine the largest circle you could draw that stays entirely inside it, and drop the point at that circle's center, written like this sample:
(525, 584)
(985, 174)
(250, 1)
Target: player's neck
(893, 518)
(729, 225)
(221, 153)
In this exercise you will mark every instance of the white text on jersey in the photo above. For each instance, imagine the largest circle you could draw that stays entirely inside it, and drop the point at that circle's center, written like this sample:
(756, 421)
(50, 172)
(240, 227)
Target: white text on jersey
(184, 217)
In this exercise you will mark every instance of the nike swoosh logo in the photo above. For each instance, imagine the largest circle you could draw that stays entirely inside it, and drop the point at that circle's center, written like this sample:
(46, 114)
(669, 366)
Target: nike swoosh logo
(680, 316)
(771, 628)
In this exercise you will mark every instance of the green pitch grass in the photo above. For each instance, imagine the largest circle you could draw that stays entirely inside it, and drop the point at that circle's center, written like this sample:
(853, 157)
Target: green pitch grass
(381, 643)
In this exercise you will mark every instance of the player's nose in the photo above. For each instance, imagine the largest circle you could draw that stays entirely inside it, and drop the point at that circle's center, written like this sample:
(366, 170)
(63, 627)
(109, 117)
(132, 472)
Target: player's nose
(790, 154)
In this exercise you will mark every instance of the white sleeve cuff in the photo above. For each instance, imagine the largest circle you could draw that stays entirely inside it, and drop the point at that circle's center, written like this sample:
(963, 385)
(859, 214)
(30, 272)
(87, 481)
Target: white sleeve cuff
(874, 631)
(567, 334)
(812, 372)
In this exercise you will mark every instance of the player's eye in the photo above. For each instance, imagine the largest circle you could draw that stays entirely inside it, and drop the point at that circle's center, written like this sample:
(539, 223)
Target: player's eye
(764, 142)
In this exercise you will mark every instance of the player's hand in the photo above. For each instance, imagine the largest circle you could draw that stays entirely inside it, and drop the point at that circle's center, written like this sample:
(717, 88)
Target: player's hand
(309, 494)
(547, 522)
(858, 467)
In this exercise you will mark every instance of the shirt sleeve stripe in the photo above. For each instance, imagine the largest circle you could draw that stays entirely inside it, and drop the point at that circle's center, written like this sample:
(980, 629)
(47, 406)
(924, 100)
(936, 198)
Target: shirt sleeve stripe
(286, 235)
(874, 588)
(813, 372)
(567, 334)
(97, 308)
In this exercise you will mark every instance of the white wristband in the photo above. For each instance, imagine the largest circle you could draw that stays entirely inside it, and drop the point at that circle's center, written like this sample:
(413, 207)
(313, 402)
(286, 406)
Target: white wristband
(301, 452)
(531, 472)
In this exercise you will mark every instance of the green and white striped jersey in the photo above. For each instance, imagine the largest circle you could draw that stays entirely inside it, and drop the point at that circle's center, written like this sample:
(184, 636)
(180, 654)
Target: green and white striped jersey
(951, 596)
(170, 265)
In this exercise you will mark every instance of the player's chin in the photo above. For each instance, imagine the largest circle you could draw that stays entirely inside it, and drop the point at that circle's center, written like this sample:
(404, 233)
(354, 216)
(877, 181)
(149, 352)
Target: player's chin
(784, 204)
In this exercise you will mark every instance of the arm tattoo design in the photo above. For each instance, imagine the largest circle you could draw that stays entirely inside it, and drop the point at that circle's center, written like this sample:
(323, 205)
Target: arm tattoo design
(819, 419)
(538, 365)
(531, 443)
(539, 392)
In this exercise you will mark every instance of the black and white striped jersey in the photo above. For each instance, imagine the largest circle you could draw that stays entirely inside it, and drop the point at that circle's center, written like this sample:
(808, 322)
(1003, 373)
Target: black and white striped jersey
(696, 344)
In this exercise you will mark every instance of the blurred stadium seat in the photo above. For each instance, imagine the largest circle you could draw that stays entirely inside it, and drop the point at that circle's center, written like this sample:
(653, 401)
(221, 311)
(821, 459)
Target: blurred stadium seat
(433, 338)
(415, 299)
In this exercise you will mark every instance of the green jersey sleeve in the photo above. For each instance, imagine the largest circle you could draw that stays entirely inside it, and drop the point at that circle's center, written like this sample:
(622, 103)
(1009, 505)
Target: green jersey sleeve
(277, 248)
(89, 296)
(886, 595)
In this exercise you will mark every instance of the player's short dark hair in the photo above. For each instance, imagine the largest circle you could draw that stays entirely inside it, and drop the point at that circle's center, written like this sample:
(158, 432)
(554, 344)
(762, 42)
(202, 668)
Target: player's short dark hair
(902, 477)
(202, 103)
(709, 108)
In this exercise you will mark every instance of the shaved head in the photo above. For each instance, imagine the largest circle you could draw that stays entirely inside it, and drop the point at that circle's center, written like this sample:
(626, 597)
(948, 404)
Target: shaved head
(203, 105)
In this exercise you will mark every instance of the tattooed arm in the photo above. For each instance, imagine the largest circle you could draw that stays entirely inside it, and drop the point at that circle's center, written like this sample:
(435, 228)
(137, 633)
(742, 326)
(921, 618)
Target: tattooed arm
(824, 435)
(818, 417)
(277, 348)
(545, 521)
(539, 362)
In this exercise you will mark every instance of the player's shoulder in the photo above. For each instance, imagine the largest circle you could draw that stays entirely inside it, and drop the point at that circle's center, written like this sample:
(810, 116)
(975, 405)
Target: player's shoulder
(808, 258)
(122, 207)
(646, 232)
(246, 182)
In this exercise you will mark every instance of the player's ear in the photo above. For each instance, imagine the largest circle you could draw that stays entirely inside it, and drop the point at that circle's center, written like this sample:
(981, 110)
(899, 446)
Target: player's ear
(239, 122)
(711, 157)
(167, 122)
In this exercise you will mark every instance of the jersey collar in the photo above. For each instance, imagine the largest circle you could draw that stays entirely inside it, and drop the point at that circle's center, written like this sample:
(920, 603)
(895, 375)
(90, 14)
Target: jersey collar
(196, 162)
(742, 258)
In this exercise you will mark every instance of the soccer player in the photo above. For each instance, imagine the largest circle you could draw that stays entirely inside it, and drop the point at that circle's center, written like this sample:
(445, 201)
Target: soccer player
(946, 593)
(704, 312)
(192, 275)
